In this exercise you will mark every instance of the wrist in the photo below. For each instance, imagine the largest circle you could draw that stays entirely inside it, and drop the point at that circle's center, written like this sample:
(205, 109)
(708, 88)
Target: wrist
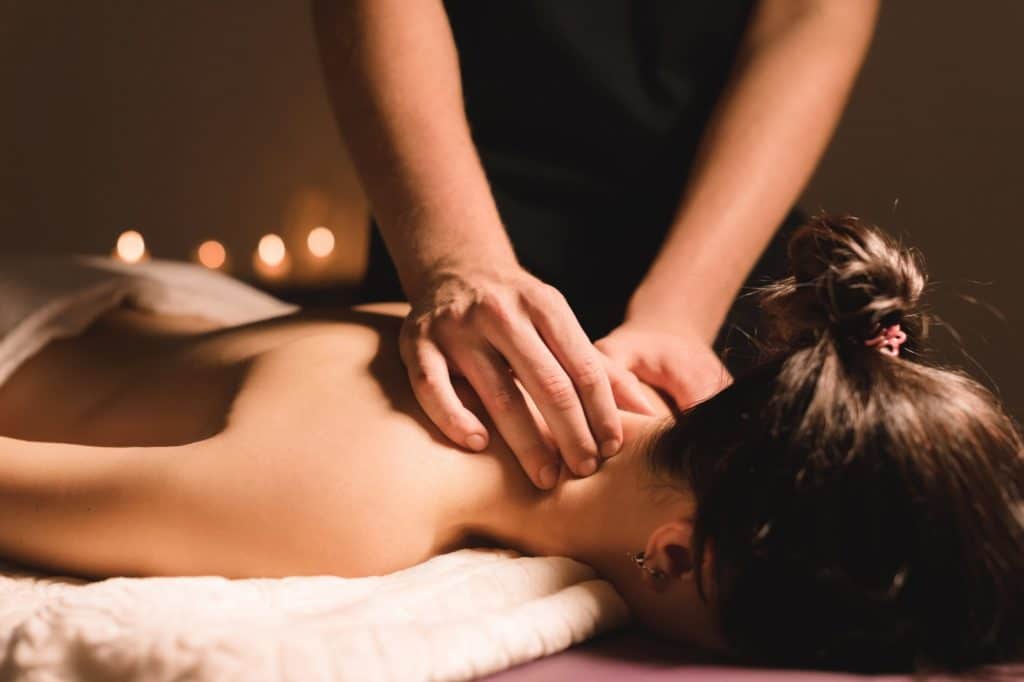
(465, 265)
(677, 313)
(435, 250)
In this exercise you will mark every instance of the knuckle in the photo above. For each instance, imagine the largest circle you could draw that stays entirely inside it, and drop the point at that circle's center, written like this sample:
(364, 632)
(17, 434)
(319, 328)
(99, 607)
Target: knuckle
(559, 390)
(453, 422)
(644, 363)
(552, 294)
(444, 319)
(496, 309)
(608, 428)
(504, 399)
(589, 373)
(490, 301)
(617, 376)
(581, 446)
(428, 382)
(429, 386)
(540, 297)
(419, 378)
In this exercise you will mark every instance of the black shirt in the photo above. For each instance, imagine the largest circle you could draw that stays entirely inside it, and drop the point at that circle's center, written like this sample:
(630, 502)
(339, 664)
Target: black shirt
(583, 100)
(586, 115)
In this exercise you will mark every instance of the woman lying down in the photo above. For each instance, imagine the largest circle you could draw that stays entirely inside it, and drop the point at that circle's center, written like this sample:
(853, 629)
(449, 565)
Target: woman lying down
(844, 505)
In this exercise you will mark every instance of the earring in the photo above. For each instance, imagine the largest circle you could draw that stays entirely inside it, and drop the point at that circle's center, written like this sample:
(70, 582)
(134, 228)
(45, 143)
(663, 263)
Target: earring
(639, 558)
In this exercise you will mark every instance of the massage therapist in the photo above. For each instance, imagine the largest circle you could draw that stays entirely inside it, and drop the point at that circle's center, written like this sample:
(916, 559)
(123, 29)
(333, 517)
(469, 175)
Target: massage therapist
(547, 172)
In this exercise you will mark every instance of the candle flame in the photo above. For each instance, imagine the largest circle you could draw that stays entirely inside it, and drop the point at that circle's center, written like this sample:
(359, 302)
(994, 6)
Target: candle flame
(131, 247)
(320, 242)
(272, 250)
(212, 254)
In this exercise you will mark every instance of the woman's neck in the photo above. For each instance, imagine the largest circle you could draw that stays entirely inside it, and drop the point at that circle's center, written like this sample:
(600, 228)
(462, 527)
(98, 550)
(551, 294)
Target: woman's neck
(595, 520)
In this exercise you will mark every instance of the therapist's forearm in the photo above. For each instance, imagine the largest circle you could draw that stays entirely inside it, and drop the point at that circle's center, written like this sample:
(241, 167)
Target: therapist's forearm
(793, 74)
(393, 77)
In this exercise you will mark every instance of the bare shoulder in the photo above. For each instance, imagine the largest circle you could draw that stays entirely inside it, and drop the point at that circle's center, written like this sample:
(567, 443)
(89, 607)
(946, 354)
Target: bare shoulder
(343, 362)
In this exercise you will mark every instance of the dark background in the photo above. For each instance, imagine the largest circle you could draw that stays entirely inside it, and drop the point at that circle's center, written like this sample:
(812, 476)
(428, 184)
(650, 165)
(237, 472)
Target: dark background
(194, 120)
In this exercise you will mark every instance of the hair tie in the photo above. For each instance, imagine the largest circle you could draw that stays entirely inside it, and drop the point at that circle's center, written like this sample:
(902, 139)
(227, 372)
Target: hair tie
(888, 340)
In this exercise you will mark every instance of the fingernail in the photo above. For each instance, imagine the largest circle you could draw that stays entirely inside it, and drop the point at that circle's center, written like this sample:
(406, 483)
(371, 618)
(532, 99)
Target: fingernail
(549, 475)
(476, 442)
(587, 467)
(610, 447)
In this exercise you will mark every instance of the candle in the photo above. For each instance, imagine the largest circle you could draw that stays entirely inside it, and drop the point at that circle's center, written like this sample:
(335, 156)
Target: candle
(320, 242)
(271, 259)
(212, 254)
(131, 247)
(271, 250)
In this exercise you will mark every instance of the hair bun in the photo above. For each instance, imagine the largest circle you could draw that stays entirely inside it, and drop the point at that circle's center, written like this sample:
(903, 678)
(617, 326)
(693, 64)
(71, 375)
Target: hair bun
(848, 279)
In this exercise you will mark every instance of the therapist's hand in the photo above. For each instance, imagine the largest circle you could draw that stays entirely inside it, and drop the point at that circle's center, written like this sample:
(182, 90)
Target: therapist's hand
(681, 365)
(496, 326)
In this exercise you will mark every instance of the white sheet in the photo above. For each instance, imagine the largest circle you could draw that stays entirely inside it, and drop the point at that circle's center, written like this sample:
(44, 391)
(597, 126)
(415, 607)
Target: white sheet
(455, 617)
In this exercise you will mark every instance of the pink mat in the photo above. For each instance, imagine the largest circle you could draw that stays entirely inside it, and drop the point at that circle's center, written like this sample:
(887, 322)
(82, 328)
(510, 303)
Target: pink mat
(634, 657)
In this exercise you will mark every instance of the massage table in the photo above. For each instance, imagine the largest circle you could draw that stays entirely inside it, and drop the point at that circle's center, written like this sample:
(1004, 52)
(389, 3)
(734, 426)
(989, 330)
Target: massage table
(458, 616)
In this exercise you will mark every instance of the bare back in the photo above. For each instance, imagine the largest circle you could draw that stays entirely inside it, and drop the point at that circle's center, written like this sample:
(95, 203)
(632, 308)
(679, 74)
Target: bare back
(331, 465)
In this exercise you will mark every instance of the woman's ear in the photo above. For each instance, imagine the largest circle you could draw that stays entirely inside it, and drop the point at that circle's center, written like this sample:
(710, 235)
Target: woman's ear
(669, 554)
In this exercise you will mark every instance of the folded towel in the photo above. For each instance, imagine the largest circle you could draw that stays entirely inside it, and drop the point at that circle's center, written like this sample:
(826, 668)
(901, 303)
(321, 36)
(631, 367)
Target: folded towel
(455, 617)
(43, 298)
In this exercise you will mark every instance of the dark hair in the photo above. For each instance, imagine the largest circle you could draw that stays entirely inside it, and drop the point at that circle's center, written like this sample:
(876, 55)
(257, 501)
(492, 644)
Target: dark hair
(862, 511)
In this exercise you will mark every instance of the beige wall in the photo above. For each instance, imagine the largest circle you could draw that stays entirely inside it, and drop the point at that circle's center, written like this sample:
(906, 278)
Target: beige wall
(196, 119)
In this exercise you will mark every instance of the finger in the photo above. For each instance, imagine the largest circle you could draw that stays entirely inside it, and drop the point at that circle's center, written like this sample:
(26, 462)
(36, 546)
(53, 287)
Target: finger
(584, 364)
(686, 385)
(431, 383)
(538, 419)
(553, 392)
(488, 374)
(627, 390)
(666, 378)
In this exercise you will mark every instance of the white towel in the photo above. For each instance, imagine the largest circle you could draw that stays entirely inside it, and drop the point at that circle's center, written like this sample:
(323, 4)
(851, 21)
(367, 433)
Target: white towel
(43, 298)
(455, 617)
